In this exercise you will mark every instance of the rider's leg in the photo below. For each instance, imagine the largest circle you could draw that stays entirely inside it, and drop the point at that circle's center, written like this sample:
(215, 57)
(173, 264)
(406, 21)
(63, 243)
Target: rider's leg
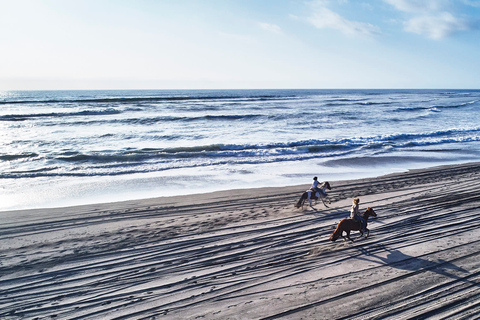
(364, 225)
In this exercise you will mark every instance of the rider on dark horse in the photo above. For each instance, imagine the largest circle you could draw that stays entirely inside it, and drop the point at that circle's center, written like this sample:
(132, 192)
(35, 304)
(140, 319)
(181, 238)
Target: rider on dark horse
(355, 214)
(316, 188)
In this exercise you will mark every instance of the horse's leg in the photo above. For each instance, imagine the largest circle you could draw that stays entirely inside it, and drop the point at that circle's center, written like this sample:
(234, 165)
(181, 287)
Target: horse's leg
(348, 236)
(323, 195)
(310, 198)
(323, 202)
(368, 233)
(360, 227)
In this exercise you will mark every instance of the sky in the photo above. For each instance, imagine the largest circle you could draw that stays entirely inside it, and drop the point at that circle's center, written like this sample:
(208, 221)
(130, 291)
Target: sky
(239, 44)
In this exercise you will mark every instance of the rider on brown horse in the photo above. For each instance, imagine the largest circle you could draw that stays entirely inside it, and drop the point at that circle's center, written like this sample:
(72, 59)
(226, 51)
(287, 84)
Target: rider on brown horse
(348, 225)
(355, 214)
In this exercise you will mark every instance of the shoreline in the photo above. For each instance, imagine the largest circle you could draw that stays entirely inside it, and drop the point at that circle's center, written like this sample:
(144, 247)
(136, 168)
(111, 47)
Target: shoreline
(249, 254)
(199, 195)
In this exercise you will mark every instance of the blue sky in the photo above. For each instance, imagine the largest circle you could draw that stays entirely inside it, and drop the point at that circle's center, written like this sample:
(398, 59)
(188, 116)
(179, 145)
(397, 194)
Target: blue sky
(217, 44)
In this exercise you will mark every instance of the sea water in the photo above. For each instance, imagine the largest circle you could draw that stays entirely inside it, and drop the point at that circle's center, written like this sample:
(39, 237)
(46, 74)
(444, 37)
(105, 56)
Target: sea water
(62, 148)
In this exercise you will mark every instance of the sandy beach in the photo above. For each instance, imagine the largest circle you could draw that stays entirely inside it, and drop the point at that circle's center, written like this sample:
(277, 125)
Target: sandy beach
(249, 254)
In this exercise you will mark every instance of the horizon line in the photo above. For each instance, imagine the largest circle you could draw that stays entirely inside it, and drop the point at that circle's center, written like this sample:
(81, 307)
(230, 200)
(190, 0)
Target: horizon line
(222, 89)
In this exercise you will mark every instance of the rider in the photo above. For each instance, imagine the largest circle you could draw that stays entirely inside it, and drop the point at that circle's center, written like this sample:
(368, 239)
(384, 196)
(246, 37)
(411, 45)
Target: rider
(316, 188)
(355, 214)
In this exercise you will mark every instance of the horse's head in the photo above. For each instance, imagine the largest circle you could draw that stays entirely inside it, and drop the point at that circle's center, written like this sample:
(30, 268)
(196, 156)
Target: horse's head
(327, 185)
(369, 212)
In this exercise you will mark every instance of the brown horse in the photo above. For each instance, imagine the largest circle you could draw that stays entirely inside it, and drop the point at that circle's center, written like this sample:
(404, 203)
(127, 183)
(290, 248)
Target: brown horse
(348, 225)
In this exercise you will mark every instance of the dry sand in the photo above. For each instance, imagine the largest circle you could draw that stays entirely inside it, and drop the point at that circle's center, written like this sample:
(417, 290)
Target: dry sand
(249, 254)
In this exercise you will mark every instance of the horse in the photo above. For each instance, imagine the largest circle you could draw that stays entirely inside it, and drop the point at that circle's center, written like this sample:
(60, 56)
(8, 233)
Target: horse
(348, 225)
(310, 194)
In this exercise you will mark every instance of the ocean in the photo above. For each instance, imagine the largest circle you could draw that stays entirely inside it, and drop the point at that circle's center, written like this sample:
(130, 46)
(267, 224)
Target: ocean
(61, 148)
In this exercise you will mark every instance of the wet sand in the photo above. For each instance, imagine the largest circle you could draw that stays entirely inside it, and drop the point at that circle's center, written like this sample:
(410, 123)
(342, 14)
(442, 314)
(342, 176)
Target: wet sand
(249, 254)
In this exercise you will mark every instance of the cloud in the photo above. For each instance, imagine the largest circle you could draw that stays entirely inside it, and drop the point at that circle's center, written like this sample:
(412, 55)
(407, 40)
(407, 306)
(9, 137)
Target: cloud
(270, 27)
(419, 6)
(430, 18)
(472, 3)
(436, 27)
(324, 18)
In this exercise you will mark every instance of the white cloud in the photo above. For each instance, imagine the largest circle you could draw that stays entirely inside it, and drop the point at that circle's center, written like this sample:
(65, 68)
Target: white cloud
(419, 6)
(430, 17)
(436, 27)
(472, 3)
(323, 18)
(270, 27)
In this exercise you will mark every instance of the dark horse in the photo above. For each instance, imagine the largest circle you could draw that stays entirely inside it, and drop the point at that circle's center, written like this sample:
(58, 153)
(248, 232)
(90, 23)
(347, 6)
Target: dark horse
(310, 194)
(348, 225)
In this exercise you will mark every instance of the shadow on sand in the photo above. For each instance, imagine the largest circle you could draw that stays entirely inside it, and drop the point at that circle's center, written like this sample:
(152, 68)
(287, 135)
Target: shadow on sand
(397, 259)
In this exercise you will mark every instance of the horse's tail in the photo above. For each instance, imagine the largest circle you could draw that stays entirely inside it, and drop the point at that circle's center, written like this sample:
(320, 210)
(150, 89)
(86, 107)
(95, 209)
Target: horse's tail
(302, 199)
(338, 232)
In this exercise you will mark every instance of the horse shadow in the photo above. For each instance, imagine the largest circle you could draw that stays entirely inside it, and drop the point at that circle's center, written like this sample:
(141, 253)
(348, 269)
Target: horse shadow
(399, 260)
